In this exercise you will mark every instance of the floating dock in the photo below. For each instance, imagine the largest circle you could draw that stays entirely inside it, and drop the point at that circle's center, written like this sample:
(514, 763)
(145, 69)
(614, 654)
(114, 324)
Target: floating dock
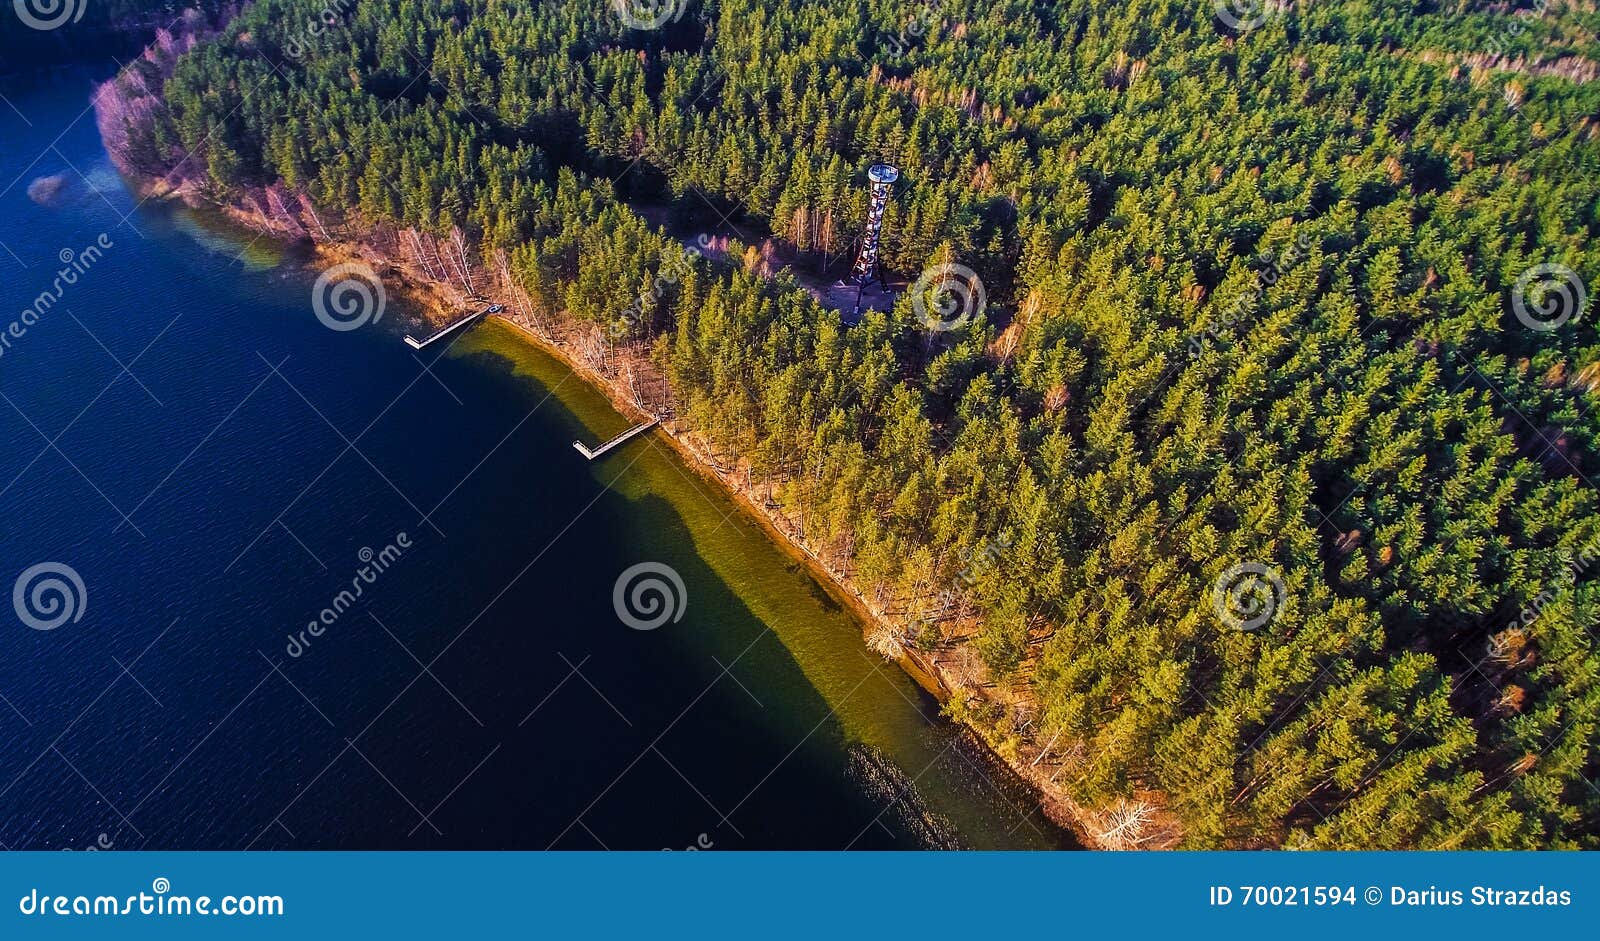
(616, 442)
(419, 344)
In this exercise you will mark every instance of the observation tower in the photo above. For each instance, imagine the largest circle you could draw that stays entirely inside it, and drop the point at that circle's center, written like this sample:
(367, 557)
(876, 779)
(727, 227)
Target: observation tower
(882, 177)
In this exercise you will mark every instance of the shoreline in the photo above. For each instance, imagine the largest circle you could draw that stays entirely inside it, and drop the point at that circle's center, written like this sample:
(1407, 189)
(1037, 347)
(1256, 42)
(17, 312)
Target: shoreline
(436, 301)
(913, 663)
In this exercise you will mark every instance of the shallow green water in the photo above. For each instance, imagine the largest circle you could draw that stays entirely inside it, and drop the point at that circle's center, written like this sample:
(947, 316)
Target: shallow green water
(231, 461)
(872, 702)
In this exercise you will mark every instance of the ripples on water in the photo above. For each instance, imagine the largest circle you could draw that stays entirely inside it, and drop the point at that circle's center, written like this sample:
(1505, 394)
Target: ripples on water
(257, 453)
(888, 784)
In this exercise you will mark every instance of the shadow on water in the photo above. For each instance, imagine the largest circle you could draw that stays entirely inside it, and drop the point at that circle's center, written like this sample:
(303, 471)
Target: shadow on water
(483, 693)
(788, 639)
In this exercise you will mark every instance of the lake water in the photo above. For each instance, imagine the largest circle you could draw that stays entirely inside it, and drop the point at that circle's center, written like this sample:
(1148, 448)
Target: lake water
(215, 465)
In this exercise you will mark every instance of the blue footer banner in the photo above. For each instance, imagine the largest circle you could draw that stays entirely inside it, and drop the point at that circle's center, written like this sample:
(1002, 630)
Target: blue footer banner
(792, 894)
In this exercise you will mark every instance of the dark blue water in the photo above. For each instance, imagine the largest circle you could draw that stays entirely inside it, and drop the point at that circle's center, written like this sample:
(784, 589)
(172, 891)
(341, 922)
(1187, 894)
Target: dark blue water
(214, 464)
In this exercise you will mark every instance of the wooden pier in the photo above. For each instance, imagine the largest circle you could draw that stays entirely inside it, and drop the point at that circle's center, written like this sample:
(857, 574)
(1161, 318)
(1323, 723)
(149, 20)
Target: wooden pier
(618, 441)
(441, 334)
